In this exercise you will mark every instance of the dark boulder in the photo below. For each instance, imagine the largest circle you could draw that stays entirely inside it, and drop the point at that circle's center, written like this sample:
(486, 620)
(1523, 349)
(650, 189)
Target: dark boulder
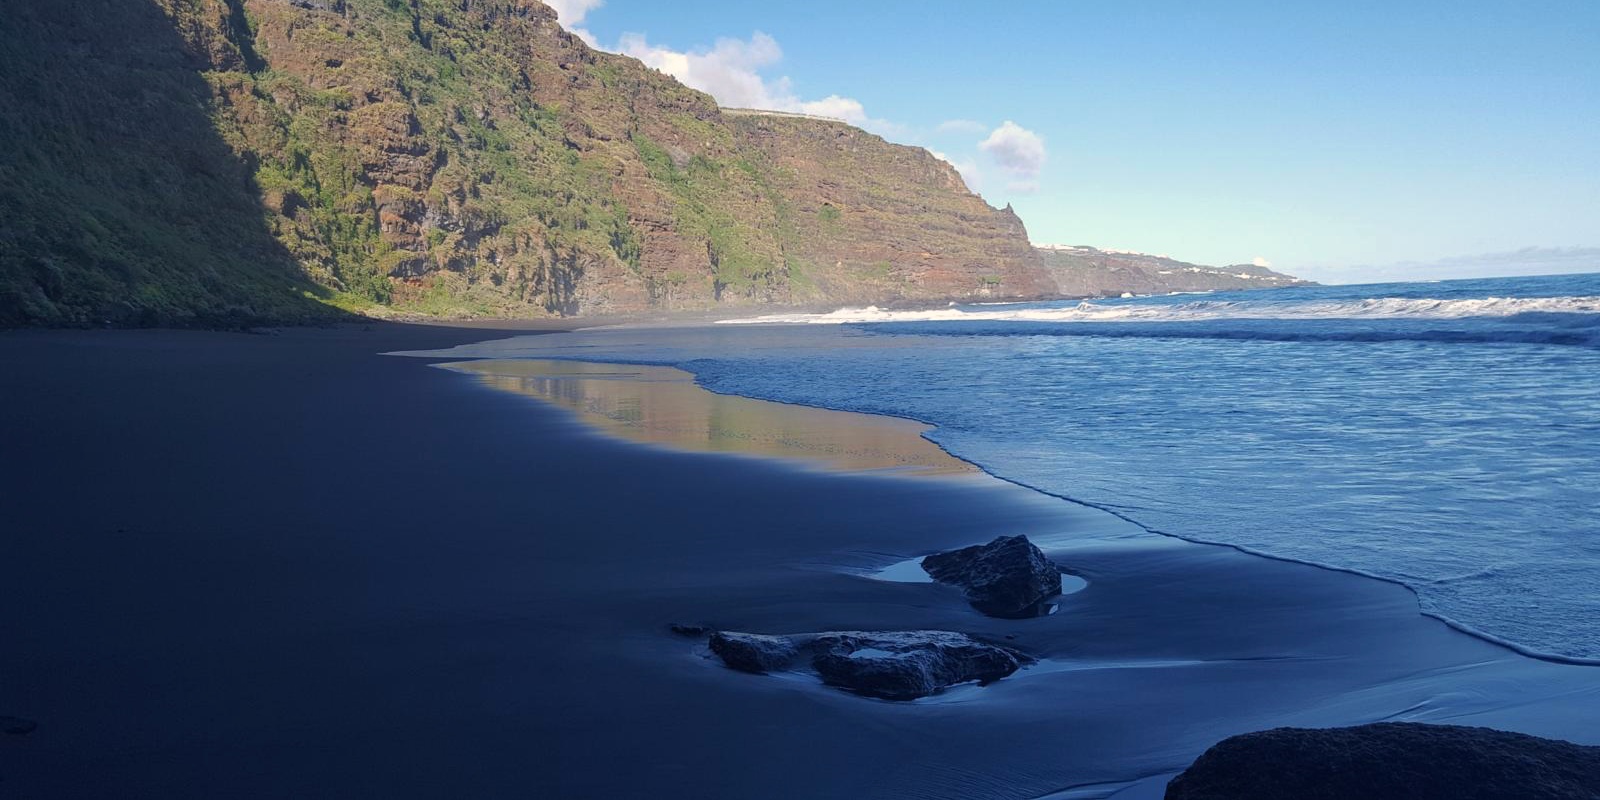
(750, 652)
(905, 665)
(1008, 577)
(692, 631)
(17, 726)
(1391, 761)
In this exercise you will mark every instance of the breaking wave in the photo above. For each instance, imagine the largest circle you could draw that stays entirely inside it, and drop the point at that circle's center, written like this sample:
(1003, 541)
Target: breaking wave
(1385, 313)
(1197, 310)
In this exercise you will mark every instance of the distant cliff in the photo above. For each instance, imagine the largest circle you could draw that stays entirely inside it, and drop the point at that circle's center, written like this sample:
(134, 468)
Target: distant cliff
(174, 161)
(1081, 271)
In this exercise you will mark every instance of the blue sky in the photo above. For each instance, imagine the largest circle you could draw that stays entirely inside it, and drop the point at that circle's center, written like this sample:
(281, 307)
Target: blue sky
(1340, 141)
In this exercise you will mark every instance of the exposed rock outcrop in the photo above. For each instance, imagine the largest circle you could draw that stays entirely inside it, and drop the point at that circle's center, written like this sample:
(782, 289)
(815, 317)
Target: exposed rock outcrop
(908, 665)
(1391, 761)
(891, 665)
(1008, 577)
(692, 630)
(751, 652)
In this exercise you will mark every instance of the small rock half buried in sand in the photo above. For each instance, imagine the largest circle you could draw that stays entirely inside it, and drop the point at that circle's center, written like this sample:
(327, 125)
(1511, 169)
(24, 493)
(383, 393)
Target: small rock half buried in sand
(691, 630)
(750, 652)
(1390, 761)
(1008, 577)
(907, 665)
(892, 665)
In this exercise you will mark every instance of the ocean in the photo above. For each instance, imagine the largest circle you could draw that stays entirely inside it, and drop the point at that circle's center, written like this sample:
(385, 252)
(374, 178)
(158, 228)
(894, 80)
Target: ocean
(1444, 435)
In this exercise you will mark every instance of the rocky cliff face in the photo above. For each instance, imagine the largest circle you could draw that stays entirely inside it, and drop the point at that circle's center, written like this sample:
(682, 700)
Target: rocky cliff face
(863, 220)
(460, 157)
(1080, 271)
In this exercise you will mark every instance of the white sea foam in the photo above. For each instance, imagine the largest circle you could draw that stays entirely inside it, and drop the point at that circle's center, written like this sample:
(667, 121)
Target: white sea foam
(1088, 311)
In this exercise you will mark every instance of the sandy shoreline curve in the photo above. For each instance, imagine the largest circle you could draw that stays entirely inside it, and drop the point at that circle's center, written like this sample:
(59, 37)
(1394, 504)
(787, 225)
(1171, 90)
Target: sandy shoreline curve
(665, 406)
(287, 565)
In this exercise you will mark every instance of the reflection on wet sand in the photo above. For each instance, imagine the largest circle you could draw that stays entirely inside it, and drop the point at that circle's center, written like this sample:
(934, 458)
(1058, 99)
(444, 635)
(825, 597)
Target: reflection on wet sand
(663, 406)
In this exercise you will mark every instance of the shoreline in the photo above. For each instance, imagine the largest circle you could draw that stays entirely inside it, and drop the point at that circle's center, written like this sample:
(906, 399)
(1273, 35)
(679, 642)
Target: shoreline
(667, 407)
(469, 594)
(928, 426)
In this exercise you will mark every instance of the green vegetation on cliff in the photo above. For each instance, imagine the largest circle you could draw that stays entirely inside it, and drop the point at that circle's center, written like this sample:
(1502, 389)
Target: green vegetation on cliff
(118, 201)
(173, 161)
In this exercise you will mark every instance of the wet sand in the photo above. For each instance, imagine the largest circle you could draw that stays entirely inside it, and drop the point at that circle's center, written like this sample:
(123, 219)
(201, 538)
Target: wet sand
(663, 406)
(270, 566)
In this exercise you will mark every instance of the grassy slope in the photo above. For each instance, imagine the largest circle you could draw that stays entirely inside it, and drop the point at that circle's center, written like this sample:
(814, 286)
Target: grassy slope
(118, 201)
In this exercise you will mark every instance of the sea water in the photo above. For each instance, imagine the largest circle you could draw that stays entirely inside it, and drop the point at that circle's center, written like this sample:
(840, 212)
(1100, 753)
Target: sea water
(1445, 435)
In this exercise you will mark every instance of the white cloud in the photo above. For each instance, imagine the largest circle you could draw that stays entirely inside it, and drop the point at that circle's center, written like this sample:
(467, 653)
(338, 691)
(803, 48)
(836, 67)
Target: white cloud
(1018, 151)
(570, 14)
(728, 71)
(1261, 262)
(1022, 187)
(961, 126)
(845, 108)
(731, 71)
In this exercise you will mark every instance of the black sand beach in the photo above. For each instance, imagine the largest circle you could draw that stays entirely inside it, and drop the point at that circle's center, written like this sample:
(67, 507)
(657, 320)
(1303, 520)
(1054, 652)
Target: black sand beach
(286, 566)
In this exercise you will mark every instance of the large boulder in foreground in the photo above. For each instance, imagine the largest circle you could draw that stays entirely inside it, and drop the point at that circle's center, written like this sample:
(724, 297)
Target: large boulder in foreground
(905, 665)
(1391, 761)
(1008, 577)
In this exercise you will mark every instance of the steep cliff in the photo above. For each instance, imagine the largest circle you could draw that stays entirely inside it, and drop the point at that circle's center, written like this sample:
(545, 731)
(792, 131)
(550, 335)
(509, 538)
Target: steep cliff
(263, 158)
(863, 220)
(1081, 271)
(118, 201)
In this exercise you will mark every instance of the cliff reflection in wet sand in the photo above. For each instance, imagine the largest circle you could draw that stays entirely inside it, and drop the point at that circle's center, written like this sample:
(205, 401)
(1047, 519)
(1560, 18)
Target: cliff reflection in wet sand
(663, 406)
